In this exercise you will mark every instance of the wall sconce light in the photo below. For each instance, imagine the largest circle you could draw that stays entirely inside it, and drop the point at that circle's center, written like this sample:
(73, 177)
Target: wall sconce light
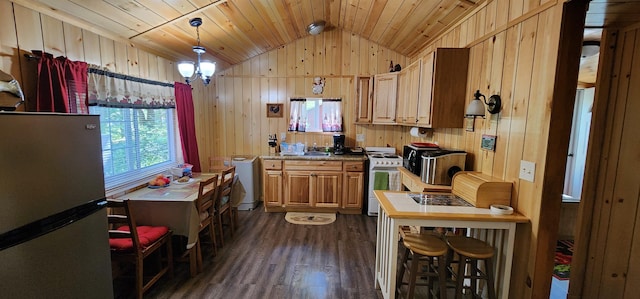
(476, 107)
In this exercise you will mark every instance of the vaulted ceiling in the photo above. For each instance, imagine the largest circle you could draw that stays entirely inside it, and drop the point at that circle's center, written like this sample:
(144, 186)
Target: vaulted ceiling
(236, 30)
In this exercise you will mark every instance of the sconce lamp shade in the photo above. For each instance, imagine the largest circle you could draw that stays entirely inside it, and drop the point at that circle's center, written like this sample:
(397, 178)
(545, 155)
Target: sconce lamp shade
(475, 108)
(316, 27)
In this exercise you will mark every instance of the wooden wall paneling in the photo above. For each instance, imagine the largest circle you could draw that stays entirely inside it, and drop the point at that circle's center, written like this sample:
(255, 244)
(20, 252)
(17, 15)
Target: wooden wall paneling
(308, 49)
(491, 120)
(515, 9)
(29, 37)
(258, 141)
(520, 98)
(333, 55)
(121, 58)
(354, 55)
(464, 29)
(594, 204)
(586, 242)
(606, 234)
(155, 72)
(508, 72)
(490, 17)
(502, 13)
(53, 36)
(318, 56)
(241, 105)
(272, 63)
(91, 47)
(541, 145)
(133, 60)
(143, 66)
(108, 54)
(73, 42)
(624, 221)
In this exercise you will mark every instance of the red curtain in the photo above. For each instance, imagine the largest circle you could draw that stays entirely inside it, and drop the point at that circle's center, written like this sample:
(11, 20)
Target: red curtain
(186, 123)
(61, 85)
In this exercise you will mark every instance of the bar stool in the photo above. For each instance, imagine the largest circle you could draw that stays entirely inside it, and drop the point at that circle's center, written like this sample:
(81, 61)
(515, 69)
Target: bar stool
(428, 259)
(470, 251)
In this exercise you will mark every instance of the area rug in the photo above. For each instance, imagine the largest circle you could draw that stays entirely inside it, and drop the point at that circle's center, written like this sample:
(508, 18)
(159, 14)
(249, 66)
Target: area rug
(564, 252)
(310, 218)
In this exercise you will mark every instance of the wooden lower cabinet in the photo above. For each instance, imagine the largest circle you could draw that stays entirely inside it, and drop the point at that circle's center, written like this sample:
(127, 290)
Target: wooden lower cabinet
(313, 185)
(353, 190)
(272, 183)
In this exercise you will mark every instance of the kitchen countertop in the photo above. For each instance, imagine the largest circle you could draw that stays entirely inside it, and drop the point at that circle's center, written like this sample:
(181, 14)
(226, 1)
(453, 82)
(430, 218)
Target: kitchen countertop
(398, 204)
(331, 156)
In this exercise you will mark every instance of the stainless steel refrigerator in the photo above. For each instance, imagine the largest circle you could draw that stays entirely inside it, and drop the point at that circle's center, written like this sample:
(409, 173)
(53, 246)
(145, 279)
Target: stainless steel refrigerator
(53, 226)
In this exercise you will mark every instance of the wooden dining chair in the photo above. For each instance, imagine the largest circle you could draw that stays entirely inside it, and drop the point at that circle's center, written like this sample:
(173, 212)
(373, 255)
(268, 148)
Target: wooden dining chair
(223, 201)
(207, 193)
(131, 243)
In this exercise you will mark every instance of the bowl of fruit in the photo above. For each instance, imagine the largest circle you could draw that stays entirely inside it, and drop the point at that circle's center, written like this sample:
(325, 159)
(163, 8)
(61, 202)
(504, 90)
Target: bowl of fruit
(160, 181)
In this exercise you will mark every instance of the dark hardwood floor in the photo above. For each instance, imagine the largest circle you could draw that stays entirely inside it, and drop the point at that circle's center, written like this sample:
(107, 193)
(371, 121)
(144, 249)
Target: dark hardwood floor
(271, 258)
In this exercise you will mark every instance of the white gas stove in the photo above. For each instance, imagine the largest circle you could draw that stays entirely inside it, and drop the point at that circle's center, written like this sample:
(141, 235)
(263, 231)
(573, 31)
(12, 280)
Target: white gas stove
(383, 163)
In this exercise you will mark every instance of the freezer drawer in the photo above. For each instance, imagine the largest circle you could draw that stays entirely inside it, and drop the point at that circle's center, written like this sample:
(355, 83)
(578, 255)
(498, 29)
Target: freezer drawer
(70, 262)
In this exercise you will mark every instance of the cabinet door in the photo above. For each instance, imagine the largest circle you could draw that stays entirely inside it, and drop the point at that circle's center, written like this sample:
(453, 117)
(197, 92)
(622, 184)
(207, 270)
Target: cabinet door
(364, 98)
(408, 93)
(443, 88)
(402, 98)
(297, 185)
(272, 188)
(353, 190)
(426, 86)
(384, 102)
(326, 189)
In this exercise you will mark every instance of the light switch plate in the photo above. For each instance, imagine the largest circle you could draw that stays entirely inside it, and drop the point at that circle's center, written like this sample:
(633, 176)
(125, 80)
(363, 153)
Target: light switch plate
(360, 137)
(527, 170)
(283, 136)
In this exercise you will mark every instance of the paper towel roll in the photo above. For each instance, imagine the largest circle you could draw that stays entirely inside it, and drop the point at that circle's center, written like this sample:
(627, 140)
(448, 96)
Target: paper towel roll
(415, 132)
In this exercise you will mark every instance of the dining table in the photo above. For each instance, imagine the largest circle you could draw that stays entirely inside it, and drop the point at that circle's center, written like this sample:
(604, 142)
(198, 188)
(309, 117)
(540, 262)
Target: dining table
(172, 206)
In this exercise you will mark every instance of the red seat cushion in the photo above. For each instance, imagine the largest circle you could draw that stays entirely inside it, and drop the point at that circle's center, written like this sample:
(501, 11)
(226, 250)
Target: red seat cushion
(146, 234)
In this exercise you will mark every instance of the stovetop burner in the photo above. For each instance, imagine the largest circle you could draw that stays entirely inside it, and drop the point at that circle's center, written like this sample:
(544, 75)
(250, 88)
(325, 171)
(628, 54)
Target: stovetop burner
(440, 200)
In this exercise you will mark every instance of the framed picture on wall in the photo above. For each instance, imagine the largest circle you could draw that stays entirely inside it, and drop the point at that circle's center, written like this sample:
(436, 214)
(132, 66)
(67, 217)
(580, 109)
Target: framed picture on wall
(274, 110)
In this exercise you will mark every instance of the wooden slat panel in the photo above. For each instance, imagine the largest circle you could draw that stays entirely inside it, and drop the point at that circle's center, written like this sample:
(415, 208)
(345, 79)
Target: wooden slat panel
(53, 36)
(91, 47)
(73, 42)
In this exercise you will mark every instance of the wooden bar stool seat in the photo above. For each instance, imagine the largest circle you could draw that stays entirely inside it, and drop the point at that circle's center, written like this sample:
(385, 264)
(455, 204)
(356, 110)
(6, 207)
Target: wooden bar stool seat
(470, 251)
(428, 259)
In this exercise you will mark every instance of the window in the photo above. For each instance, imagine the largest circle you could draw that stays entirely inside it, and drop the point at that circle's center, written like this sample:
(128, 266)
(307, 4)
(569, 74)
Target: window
(315, 115)
(136, 143)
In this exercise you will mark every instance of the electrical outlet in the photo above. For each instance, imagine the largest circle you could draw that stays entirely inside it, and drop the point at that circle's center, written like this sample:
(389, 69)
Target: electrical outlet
(360, 137)
(527, 170)
(283, 136)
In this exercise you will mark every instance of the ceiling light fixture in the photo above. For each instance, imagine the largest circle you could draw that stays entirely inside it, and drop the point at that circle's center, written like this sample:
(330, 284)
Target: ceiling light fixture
(316, 27)
(204, 69)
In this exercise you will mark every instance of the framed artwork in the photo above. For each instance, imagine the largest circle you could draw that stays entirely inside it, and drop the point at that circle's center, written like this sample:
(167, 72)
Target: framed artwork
(274, 110)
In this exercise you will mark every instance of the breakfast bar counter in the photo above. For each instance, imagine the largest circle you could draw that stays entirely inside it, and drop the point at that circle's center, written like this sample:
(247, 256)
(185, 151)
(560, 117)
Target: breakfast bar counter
(398, 208)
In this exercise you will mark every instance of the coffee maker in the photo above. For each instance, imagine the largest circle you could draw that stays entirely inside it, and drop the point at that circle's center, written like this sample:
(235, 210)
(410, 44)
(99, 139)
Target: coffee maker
(338, 144)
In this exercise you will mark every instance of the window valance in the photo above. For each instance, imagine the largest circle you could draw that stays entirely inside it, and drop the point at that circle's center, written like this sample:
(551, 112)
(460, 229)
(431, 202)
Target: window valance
(116, 90)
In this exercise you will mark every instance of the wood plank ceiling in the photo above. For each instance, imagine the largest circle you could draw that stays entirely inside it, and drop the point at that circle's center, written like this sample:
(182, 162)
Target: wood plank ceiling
(236, 30)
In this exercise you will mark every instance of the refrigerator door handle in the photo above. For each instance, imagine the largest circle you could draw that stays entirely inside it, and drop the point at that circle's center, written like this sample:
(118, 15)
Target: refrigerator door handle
(51, 223)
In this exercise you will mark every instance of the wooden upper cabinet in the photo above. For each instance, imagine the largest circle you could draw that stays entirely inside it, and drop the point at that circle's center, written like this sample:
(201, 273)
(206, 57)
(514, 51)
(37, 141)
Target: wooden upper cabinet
(364, 98)
(408, 94)
(384, 99)
(443, 84)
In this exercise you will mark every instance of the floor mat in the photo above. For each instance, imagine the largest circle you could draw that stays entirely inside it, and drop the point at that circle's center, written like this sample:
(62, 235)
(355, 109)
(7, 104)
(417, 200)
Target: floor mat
(564, 252)
(310, 218)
